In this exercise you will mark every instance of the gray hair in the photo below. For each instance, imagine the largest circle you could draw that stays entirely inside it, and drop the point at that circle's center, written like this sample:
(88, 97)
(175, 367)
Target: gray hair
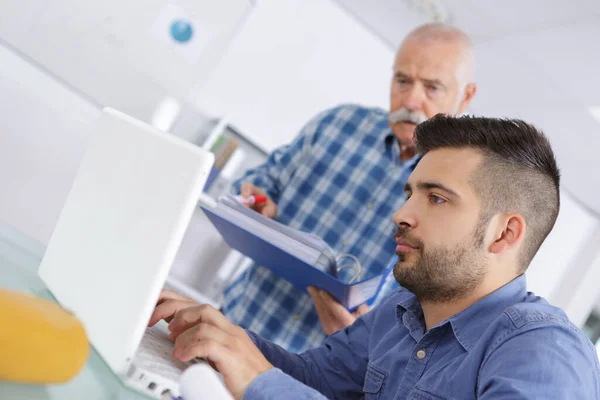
(438, 32)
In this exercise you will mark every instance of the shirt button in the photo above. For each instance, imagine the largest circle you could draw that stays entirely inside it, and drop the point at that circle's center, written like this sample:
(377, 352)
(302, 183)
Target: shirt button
(421, 354)
(370, 205)
(297, 317)
(345, 243)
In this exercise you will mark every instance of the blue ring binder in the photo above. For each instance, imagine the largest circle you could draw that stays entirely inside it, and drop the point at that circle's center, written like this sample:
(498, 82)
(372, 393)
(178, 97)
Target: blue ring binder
(294, 270)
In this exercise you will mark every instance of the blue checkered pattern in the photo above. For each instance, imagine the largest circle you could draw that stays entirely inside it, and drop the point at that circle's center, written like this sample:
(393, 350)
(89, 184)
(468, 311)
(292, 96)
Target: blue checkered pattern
(342, 179)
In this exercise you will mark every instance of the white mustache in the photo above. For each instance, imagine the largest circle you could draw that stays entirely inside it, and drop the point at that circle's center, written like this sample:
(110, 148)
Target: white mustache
(404, 114)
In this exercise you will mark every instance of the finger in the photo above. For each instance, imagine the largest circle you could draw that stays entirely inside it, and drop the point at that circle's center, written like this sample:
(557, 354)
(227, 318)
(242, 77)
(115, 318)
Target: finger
(269, 210)
(216, 354)
(183, 320)
(361, 310)
(170, 295)
(198, 333)
(248, 189)
(207, 349)
(323, 312)
(168, 309)
(205, 313)
(314, 293)
(328, 300)
(259, 207)
(337, 310)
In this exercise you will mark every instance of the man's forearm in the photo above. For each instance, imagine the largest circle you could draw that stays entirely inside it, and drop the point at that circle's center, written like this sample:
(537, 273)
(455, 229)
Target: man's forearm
(272, 384)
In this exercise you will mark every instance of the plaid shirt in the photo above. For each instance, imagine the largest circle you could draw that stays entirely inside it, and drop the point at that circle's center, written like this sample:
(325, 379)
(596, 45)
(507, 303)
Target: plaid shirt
(341, 179)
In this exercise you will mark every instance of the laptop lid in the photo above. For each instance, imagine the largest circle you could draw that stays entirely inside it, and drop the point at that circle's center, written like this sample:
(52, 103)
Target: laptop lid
(120, 229)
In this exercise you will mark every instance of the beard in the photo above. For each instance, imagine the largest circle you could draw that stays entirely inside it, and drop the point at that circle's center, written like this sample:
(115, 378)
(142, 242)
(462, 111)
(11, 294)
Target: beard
(441, 274)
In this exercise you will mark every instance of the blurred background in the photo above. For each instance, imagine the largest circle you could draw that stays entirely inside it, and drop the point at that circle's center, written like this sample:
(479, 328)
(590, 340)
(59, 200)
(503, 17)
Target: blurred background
(240, 77)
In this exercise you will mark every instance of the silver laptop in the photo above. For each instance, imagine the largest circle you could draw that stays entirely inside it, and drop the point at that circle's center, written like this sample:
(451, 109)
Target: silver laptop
(115, 241)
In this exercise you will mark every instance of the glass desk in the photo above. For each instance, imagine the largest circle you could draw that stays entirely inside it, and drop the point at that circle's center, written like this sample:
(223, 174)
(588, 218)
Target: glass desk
(20, 257)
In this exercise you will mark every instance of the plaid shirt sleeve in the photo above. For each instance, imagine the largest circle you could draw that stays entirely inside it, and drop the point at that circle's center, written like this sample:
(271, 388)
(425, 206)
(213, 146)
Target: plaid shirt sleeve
(276, 172)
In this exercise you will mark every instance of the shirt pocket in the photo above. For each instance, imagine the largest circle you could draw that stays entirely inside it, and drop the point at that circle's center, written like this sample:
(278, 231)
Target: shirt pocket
(418, 394)
(374, 383)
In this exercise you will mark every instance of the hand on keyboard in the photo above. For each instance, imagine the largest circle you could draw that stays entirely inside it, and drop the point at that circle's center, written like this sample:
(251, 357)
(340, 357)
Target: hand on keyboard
(167, 306)
(202, 331)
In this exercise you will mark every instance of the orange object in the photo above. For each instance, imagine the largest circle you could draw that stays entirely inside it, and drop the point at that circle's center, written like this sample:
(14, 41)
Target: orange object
(40, 342)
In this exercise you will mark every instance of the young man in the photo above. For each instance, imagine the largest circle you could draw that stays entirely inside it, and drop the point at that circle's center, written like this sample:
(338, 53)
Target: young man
(337, 177)
(480, 203)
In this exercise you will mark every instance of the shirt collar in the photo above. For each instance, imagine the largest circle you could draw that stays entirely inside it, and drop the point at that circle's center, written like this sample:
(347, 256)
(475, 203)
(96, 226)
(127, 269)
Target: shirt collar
(408, 306)
(469, 324)
(387, 135)
(391, 147)
(408, 302)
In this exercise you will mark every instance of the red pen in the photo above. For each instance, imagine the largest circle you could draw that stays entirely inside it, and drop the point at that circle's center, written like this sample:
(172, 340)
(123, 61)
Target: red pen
(252, 200)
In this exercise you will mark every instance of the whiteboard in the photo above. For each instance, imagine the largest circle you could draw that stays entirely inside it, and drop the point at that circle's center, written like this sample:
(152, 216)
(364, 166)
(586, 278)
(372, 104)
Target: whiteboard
(124, 54)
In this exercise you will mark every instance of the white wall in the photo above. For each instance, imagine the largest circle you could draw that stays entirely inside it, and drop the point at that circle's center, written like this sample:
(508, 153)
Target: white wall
(582, 282)
(120, 53)
(44, 130)
(566, 269)
(554, 260)
(293, 59)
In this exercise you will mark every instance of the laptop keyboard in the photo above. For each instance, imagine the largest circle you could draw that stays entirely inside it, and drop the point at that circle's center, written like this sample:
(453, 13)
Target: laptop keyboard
(154, 354)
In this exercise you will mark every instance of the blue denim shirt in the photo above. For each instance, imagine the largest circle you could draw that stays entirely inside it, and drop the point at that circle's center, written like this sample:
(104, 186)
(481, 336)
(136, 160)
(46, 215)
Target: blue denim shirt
(509, 345)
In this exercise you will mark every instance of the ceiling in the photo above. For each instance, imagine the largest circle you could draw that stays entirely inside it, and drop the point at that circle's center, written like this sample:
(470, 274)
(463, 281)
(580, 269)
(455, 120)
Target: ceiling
(537, 59)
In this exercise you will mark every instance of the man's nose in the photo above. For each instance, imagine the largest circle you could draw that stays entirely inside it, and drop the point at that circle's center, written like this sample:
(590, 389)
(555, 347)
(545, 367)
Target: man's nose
(415, 98)
(405, 217)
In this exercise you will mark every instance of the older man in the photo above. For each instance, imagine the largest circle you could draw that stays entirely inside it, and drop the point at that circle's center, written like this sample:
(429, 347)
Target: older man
(342, 177)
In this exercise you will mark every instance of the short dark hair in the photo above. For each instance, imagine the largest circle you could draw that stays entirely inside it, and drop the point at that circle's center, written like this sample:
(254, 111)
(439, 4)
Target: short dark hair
(518, 174)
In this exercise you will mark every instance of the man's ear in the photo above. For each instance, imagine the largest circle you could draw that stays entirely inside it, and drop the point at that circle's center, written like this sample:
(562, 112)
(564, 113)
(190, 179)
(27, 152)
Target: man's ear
(509, 234)
(468, 95)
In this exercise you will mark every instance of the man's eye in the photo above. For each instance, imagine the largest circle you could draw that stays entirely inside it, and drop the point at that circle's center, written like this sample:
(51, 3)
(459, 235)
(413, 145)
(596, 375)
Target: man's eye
(435, 199)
